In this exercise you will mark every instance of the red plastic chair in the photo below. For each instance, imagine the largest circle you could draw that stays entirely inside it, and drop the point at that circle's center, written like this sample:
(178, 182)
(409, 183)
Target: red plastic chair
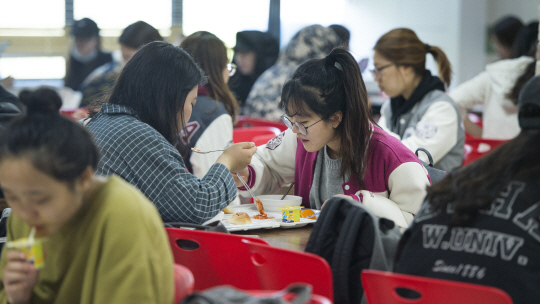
(476, 147)
(246, 122)
(277, 268)
(183, 282)
(214, 258)
(380, 288)
(247, 134)
(260, 140)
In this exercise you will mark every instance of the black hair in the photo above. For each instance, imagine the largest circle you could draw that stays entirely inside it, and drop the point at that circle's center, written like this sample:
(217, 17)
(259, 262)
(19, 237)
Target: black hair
(525, 42)
(326, 86)
(155, 84)
(54, 144)
(138, 34)
(42, 98)
(343, 33)
(506, 29)
(475, 186)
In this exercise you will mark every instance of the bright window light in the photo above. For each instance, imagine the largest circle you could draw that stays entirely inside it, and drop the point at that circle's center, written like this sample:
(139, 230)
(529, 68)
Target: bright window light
(225, 18)
(49, 14)
(50, 67)
(118, 14)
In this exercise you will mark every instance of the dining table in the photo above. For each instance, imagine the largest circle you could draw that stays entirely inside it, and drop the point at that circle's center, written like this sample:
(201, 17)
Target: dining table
(294, 238)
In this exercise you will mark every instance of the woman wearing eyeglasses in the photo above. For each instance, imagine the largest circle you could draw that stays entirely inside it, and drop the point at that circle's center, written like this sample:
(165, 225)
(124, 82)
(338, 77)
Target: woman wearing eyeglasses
(211, 124)
(419, 112)
(334, 147)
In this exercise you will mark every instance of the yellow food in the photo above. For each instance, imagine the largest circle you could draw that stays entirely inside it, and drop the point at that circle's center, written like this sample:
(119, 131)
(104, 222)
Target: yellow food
(308, 214)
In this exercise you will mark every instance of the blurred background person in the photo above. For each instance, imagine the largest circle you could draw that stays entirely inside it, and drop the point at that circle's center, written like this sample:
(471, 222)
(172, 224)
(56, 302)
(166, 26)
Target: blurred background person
(497, 89)
(503, 34)
(101, 79)
(344, 35)
(419, 111)
(211, 124)
(85, 53)
(314, 41)
(254, 53)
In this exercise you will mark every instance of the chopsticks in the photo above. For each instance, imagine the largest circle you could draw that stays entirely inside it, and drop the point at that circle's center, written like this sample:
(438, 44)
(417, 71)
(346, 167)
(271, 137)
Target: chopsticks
(246, 186)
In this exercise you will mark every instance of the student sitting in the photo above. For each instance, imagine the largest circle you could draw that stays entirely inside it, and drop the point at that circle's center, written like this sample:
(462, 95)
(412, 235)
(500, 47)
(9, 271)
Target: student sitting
(481, 223)
(103, 241)
(137, 128)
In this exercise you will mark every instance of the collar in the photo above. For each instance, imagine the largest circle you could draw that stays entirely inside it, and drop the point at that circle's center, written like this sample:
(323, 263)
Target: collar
(113, 109)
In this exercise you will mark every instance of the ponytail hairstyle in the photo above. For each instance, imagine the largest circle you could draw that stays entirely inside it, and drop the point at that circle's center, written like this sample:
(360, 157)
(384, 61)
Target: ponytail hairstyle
(210, 53)
(54, 144)
(326, 86)
(402, 47)
(41, 98)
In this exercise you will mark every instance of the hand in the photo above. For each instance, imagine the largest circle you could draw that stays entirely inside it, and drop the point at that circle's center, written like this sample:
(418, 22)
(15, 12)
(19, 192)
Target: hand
(80, 113)
(244, 173)
(238, 156)
(343, 195)
(19, 278)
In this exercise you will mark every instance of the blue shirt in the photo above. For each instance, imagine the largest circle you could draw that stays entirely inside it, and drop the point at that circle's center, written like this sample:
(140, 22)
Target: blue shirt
(139, 154)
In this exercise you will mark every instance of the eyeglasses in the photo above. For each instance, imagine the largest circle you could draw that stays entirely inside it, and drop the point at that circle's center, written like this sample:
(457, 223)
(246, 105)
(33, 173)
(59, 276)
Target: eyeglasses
(231, 67)
(377, 71)
(299, 126)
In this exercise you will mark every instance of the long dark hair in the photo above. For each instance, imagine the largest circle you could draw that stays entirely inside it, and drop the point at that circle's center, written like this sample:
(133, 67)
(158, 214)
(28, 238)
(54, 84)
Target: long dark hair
(326, 86)
(155, 84)
(402, 47)
(474, 187)
(524, 45)
(54, 144)
(210, 53)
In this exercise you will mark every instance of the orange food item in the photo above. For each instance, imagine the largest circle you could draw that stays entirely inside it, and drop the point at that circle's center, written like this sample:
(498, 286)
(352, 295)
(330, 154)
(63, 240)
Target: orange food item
(260, 207)
(307, 213)
(262, 217)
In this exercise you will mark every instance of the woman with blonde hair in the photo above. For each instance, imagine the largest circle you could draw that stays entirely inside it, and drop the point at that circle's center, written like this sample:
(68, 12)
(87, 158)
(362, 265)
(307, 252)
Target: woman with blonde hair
(419, 111)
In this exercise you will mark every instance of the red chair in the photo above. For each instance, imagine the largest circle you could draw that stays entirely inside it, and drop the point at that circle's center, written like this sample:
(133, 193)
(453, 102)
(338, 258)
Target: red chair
(260, 140)
(183, 282)
(277, 268)
(246, 122)
(315, 299)
(476, 147)
(380, 288)
(247, 134)
(214, 258)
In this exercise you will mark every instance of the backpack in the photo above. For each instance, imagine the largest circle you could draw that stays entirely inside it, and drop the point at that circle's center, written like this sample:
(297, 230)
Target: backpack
(351, 238)
(436, 175)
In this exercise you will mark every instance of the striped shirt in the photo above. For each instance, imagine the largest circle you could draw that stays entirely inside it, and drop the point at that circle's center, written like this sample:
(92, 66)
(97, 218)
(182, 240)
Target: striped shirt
(139, 154)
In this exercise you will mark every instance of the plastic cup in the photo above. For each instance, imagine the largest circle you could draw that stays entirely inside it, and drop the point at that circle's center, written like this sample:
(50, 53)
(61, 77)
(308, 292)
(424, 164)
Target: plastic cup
(290, 214)
(32, 249)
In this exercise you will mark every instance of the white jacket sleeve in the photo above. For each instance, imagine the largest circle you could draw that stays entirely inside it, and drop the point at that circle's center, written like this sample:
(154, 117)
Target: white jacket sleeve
(273, 164)
(472, 92)
(436, 131)
(407, 185)
(218, 135)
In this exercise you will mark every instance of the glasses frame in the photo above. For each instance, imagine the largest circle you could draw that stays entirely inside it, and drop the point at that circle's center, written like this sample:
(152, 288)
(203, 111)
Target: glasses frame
(232, 68)
(289, 123)
(376, 72)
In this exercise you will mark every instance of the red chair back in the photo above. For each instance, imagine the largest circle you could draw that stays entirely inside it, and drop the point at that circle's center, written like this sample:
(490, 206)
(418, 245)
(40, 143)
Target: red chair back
(380, 288)
(277, 268)
(247, 122)
(214, 258)
(315, 299)
(183, 282)
(476, 147)
(247, 134)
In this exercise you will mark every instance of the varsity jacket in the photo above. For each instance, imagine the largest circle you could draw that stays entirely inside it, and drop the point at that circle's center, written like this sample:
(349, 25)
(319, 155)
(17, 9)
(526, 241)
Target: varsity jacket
(395, 180)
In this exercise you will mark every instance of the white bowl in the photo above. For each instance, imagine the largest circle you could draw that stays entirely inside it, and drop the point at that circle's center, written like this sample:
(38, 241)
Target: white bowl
(272, 202)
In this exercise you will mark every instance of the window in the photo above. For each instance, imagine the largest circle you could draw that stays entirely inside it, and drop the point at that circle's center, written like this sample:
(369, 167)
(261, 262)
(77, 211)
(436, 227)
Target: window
(115, 15)
(225, 18)
(50, 67)
(37, 14)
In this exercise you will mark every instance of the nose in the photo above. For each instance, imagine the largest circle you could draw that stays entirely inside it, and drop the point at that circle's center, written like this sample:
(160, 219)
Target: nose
(294, 127)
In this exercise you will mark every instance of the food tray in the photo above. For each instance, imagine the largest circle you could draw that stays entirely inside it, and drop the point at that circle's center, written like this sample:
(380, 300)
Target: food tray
(276, 222)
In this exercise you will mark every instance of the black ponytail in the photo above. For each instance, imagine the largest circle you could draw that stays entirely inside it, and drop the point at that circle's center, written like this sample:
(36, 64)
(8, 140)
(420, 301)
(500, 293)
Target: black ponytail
(326, 86)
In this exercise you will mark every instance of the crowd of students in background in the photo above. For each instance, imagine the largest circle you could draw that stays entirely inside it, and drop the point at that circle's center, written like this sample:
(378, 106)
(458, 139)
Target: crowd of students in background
(87, 183)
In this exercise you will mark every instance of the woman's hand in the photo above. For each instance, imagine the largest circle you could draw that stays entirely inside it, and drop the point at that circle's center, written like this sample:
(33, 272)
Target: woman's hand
(19, 278)
(238, 156)
(244, 173)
